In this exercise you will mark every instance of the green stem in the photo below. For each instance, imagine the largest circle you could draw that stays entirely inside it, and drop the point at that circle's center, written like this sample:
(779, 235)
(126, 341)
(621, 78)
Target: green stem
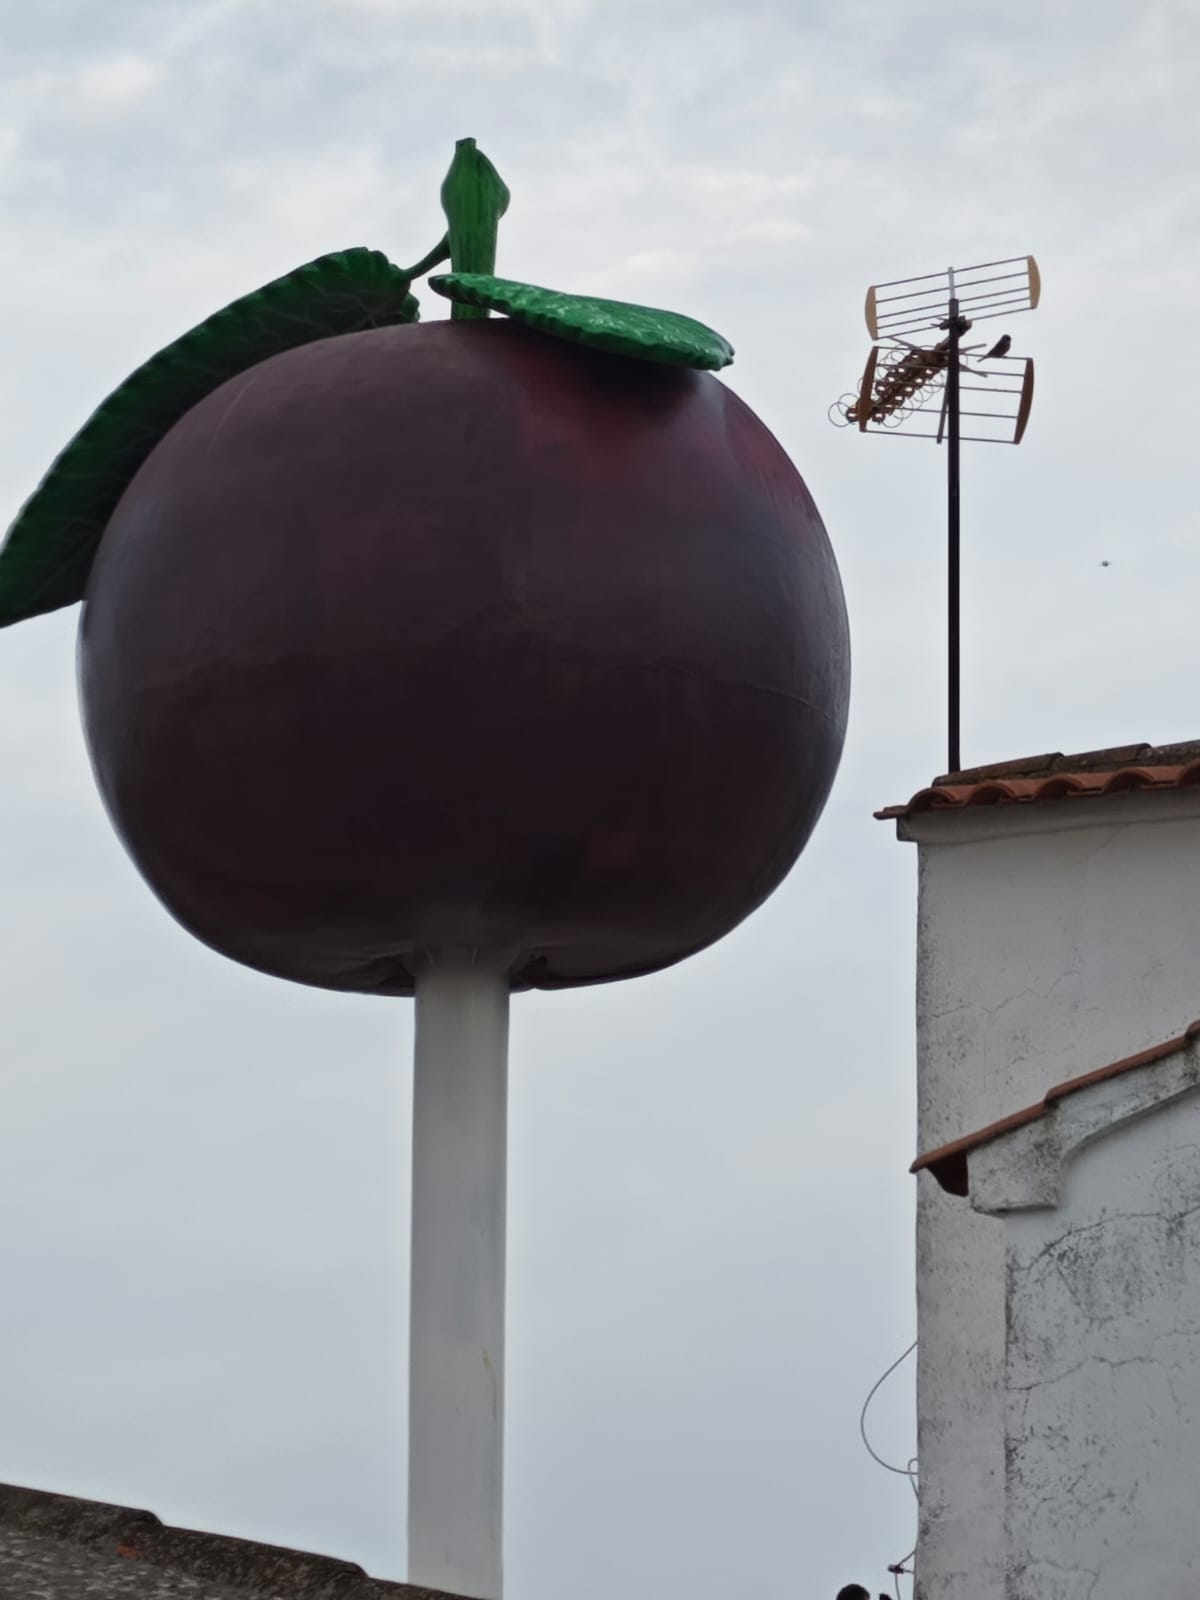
(474, 199)
(439, 253)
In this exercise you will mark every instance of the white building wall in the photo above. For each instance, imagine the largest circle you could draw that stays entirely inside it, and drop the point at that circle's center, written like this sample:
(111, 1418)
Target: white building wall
(1099, 1205)
(1052, 938)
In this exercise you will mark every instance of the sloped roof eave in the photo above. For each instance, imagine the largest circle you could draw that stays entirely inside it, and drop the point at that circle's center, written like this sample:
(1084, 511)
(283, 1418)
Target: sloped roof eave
(948, 1162)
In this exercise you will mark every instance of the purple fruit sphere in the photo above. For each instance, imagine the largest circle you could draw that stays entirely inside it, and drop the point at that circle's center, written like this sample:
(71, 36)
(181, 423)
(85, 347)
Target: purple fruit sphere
(454, 634)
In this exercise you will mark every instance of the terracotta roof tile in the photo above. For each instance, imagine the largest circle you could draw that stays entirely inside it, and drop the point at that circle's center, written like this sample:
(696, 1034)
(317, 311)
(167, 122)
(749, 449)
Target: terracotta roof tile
(948, 1162)
(1034, 779)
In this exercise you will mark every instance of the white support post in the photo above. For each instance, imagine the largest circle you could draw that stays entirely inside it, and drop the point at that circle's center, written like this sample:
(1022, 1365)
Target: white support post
(456, 1351)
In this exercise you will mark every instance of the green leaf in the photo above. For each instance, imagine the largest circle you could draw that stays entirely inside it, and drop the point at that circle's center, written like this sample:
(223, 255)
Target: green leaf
(611, 325)
(46, 558)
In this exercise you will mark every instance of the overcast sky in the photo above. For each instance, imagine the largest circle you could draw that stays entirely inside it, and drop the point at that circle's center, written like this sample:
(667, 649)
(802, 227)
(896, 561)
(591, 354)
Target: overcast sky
(203, 1172)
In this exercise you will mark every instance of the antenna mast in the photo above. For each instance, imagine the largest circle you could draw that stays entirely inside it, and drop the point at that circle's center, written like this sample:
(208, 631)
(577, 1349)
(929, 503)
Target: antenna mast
(902, 380)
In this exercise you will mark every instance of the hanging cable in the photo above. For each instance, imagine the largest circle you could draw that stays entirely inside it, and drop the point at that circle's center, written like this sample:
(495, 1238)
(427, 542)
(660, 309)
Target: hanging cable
(909, 1471)
(899, 1567)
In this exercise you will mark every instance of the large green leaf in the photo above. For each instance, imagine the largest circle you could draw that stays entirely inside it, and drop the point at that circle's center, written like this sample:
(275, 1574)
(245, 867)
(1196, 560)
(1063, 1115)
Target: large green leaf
(613, 325)
(46, 558)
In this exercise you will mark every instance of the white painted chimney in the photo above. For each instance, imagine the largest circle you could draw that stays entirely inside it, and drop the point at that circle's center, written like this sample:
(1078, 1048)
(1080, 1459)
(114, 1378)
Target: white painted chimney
(1058, 934)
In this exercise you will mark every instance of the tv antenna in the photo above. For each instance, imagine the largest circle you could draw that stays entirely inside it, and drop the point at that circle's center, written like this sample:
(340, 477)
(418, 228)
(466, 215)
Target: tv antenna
(910, 375)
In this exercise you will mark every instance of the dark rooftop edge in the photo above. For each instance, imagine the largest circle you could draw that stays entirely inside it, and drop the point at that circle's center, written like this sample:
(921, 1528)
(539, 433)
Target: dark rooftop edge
(117, 1532)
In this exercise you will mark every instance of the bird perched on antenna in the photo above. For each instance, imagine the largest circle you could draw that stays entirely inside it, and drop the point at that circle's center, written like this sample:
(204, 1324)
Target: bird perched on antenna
(1001, 347)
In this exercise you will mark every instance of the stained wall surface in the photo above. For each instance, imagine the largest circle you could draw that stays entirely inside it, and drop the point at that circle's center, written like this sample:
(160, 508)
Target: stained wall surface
(1102, 1370)
(1052, 939)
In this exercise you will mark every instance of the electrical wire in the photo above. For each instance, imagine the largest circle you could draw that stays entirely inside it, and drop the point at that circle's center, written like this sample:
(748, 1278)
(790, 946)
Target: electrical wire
(904, 1472)
(899, 1567)
(909, 1471)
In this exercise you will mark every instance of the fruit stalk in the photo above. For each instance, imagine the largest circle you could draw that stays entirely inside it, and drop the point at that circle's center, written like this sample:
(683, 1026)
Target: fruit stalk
(474, 198)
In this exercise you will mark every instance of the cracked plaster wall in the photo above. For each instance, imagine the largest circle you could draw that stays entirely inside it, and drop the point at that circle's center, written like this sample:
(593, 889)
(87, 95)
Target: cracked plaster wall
(1102, 1388)
(1052, 939)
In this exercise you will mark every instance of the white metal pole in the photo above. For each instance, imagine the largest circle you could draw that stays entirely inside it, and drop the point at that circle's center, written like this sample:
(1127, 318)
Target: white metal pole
(456, 1351)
